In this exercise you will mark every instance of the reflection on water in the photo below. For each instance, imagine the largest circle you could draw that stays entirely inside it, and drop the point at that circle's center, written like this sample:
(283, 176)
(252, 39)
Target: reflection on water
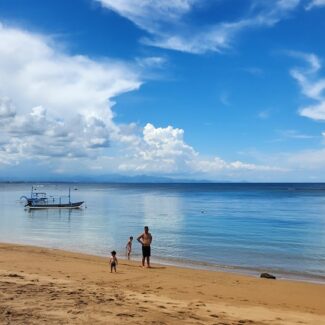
(246, 226)
(159, 208)
(60, 214)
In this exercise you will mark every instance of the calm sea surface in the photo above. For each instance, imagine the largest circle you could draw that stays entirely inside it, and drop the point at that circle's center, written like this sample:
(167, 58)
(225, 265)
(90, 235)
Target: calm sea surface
(278, 228)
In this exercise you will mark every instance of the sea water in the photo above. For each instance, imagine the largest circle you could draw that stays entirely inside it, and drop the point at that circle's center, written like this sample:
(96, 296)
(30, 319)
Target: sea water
(277, 228)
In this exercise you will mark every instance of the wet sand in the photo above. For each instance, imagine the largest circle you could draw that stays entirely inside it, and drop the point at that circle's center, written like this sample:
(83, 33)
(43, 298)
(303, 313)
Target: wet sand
(39, 285)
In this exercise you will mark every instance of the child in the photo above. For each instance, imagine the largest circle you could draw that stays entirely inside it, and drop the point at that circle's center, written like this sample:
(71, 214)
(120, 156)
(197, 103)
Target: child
(113, 261)
(129, 247)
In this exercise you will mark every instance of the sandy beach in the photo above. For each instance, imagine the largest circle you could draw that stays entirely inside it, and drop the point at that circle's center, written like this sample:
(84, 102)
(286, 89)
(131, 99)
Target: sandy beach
(41, 285)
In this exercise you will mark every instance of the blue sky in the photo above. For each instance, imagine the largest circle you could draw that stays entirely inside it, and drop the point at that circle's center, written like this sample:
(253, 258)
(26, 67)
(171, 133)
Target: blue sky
(219, 90)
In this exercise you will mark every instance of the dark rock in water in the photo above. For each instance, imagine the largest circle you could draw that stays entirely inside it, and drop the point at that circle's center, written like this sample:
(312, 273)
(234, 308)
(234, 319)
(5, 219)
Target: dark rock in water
(267, 276)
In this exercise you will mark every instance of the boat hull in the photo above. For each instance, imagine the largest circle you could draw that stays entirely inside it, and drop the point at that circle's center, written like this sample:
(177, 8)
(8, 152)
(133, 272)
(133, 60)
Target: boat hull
(75, 205)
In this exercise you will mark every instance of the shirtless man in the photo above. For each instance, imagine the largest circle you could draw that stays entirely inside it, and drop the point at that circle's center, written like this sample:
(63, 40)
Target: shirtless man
(145, 240)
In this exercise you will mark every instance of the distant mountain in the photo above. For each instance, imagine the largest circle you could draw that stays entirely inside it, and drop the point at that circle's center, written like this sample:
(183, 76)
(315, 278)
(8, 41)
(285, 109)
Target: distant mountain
(108, 178)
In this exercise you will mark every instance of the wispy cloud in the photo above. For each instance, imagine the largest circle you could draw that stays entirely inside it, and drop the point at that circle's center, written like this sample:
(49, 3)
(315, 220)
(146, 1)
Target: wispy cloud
(315, 4)
(296, 165)
(263, 115)
(225, 99)
(254, 71)
(150, 15)
(306, 159)
(312, 85)
(168, 24)
(294, 134)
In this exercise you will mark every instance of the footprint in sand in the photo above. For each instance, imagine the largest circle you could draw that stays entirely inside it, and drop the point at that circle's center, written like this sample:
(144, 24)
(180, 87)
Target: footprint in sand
(14, 275)
(214, 315)
(143, 309)
(125, 315)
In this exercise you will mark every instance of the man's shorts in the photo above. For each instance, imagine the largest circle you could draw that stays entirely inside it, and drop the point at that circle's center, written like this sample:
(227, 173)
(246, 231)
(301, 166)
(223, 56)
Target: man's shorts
(146, 251)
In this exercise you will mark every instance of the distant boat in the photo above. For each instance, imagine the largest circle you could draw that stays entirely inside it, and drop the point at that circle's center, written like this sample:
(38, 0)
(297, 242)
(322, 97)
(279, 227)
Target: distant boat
(40, 200)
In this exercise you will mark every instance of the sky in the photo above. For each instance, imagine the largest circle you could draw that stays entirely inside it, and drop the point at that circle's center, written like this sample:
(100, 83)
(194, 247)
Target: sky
(219, 90)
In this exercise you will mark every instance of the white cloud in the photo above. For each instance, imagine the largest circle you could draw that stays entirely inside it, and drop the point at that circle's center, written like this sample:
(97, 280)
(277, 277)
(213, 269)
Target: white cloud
(263, 115)
(295, 165)
(150, 14)
(159, 150)
(59, 106)
(312, 86)
(151, 62)
(220, 36)
(163, 150)
(7, 109)
(169, 27)
(315, 112)
(53, 103)
(315, 3)
(294, 134)
(307, 159)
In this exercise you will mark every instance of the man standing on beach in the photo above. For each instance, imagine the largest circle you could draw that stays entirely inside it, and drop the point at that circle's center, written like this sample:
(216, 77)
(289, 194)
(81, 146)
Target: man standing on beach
(145, 240)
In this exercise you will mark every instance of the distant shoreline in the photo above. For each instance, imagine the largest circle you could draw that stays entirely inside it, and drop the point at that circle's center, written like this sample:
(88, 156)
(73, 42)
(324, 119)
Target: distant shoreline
(153, 182)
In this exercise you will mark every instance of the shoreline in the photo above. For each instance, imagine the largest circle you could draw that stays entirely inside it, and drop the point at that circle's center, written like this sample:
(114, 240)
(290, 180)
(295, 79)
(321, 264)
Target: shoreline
(43, 284)
(194, 265)
(255, 272)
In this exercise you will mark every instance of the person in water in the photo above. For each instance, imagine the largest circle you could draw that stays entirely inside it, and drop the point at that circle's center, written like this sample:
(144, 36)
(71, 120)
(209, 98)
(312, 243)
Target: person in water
(129, 247)
(145, 240)
(113, 261)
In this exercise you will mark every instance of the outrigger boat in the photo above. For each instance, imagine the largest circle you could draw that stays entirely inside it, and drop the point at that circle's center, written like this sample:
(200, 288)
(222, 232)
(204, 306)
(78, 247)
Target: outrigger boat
(40, 200)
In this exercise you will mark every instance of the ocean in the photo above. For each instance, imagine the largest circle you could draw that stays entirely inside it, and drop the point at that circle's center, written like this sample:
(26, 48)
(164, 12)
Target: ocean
(246, 228)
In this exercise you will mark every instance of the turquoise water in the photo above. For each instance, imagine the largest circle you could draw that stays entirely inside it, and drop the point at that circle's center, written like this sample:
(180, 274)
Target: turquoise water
(278, 228)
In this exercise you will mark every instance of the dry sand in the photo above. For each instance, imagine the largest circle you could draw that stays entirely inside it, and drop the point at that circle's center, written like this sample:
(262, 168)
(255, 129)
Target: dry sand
(56, 287)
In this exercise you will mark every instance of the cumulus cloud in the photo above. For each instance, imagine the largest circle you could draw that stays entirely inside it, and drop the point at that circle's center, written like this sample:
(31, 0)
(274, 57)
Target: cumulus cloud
(59, 106)
(53, 103)
(164, 150)
(312, 86)
(159, 150)
(169, 26)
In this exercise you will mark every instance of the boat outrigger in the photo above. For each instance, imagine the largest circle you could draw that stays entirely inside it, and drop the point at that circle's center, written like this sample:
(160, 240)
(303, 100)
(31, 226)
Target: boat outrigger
(40, 200)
